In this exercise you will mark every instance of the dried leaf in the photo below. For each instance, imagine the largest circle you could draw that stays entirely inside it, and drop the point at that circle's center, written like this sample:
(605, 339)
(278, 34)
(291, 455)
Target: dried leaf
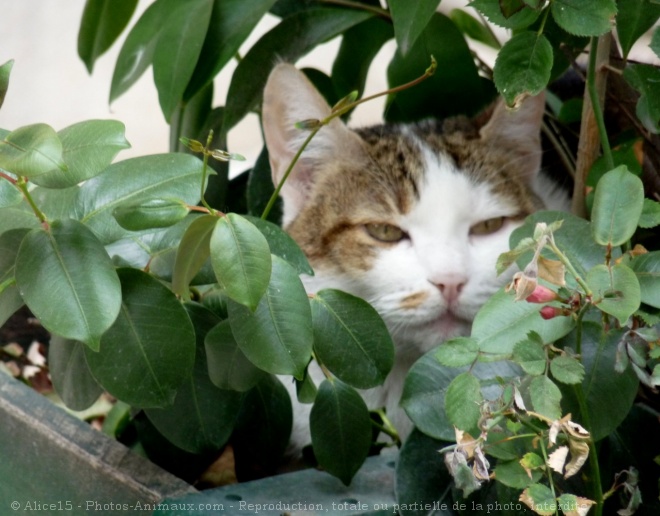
(557, 459)
(579, 455)
(578, 507)
(552, 271)
(577, 431)
(481, 465)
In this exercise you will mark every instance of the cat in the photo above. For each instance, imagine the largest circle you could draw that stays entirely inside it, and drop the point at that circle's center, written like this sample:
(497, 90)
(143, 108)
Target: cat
(410, 217)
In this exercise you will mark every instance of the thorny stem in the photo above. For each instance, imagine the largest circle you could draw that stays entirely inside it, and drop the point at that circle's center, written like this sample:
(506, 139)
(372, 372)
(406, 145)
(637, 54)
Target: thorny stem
(339, 112)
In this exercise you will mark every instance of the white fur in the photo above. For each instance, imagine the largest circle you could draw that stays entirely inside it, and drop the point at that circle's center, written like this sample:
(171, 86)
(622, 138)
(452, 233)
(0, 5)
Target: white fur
(440, 249)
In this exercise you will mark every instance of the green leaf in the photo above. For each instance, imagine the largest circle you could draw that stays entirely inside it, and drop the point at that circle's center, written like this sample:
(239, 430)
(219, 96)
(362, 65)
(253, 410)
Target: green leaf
(282, 245)
(31, 150)
(177, 51)
(10, 195)
(540, 499)
(410, 20)
(646, 80)
(231, 23)
(264, 426)
(87, 149)
(616, 290)
(463, 402)
(584, 17)
(650, 216)
(502, 322)
(421, 477)
(567, 370)
(473, 28)
(192, 253)
(5, 72)
(277, 336)
(260, 188)
(351, 339)
(18, 217)
(618, 204)
(228, 367)
(341, 429)
(133, 181)
(359, 46)
(512, 474)
(10, 297)
(241, 259)
(287, 41)
(425, 387)
(456, 77)
(202, 417)
(68, 281)
(102, 23)
(154, 213)
(655, 42)
(523, 66)
(530, 355)
(492, 11)
(70, 374)
(634, 19)
(457, 352)
(545, 396)
(647, 269)
(137, 52)
(623, 154)
(609, 396)
(150, 349)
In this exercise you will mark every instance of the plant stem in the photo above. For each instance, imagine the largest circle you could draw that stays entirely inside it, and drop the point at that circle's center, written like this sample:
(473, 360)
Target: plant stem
(550, 480)
(600, 49)
(593, 457)
(8, 178)
(589, 142)
(21, 183)
(6, 284)
(276, 193)
(205, 164)
(563, 259)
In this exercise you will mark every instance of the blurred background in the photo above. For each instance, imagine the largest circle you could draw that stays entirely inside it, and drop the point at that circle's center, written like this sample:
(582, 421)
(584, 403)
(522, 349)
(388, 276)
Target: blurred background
(50, 84)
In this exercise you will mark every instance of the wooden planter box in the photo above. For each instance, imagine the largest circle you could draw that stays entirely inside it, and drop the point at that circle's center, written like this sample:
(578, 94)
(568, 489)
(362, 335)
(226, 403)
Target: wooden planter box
(53, 463)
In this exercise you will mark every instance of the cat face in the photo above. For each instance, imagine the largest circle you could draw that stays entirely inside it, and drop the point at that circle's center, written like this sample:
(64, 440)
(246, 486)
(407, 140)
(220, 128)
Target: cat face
(411, 217)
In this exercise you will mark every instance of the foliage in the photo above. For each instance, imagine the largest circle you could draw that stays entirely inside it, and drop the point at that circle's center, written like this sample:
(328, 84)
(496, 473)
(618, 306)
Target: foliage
(187, 313)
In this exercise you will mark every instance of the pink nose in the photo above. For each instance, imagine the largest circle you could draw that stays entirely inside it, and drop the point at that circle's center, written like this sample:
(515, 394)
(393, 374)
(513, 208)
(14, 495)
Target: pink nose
(450, 287)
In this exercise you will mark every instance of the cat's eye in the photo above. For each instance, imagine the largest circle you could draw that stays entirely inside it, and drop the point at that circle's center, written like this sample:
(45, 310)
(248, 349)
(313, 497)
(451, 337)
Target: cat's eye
(488, 226)
(385, 232)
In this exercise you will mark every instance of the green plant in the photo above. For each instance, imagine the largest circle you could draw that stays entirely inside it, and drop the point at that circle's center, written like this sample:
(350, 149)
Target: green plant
(187, 312)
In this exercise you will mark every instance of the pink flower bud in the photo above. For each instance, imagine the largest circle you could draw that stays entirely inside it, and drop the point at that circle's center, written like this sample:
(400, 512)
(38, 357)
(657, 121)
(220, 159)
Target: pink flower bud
(541, 294)
(550, 312)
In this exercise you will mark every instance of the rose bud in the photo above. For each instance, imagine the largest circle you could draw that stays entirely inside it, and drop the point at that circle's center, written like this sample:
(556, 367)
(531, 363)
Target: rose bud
(541, 294)
(550, 312)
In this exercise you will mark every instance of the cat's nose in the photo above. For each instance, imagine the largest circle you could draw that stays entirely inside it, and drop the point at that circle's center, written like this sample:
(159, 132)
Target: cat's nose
(450, 287)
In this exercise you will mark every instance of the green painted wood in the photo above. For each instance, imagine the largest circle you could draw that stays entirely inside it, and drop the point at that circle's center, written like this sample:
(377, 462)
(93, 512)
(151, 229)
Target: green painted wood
(300, 493)
(52, 463)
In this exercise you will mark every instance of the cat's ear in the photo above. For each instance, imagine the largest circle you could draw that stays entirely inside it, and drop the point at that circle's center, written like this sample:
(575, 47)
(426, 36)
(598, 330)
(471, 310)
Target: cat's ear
(518, 129)
(289, 97)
